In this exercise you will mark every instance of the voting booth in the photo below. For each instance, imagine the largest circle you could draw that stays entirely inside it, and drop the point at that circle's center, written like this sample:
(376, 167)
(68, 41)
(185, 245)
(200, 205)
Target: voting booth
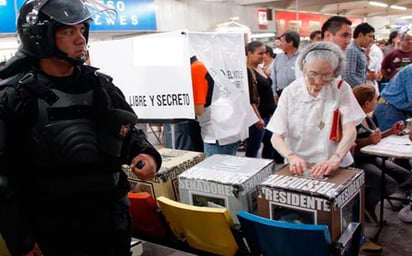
(335, 201)
(225, 181)
(174, 162)
(153, 71)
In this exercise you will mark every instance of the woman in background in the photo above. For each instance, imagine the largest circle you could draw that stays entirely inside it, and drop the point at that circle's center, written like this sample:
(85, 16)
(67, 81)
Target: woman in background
(268, 58)
(261, 84)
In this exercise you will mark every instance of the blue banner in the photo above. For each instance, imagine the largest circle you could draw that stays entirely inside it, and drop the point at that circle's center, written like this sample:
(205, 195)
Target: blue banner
(132, 15)
(8, 15)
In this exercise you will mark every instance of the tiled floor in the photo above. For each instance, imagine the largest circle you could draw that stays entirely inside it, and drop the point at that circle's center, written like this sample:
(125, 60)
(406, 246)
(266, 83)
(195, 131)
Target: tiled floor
(395, 237)
(149, 249)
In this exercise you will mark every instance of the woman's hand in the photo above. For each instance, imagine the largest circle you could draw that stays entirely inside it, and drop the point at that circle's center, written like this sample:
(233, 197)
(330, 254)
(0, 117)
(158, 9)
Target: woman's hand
(296, 164)
(260, 124)
(325, 168)
(375, 137)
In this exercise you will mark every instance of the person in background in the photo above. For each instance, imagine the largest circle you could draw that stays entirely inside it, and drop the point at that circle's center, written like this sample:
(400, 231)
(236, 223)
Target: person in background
(356, 60)
(399, 57)
(284, 64)
(203, 90)
(395, 101)
(368, 133)
(381, 44)
(202, 85)
(302, 121)
(276, 46)
(394, 104)
(268, 58)
(187, 134)
(284, 69)
(337, 29)
(393, 42)
(264, 106)
(65, 132)
(315, 36)
(374, 56)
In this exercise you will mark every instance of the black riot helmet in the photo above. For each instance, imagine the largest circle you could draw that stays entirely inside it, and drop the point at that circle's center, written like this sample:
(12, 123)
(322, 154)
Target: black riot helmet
(38, 19)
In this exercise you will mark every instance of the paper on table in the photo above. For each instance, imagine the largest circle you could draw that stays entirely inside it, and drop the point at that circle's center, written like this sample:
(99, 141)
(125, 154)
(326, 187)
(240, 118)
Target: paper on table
(394, 145)
(397, 140)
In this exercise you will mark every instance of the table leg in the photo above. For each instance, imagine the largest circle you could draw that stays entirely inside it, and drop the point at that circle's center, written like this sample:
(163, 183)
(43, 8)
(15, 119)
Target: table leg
(381, 218)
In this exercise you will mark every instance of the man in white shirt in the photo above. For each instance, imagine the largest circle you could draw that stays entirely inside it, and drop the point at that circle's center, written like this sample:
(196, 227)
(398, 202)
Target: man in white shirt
(284, 64)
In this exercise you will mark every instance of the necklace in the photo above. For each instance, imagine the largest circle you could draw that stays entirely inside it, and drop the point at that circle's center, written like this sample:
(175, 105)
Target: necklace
(321, 124)
(319, 104)
(320, 109)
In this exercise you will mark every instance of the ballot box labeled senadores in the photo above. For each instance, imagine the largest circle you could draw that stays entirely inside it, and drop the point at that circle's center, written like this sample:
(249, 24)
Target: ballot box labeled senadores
(225, 181)
(335, 201)
(174, 162)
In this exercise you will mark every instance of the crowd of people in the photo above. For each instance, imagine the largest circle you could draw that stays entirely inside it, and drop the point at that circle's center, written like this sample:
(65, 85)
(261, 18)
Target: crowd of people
(339, 69)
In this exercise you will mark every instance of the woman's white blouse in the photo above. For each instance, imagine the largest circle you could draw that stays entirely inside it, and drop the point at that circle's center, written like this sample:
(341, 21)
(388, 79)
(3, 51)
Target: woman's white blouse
(298, 117)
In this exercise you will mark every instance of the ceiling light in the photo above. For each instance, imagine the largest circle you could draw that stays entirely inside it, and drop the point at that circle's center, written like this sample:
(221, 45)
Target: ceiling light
(378, 4)
(397, 7)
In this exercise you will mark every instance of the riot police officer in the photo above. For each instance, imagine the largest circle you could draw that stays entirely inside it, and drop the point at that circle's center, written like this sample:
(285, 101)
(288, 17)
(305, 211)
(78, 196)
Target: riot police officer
(65, 131)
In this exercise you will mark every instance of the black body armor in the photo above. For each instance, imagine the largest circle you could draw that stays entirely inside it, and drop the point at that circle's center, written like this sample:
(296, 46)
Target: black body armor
(65, 132)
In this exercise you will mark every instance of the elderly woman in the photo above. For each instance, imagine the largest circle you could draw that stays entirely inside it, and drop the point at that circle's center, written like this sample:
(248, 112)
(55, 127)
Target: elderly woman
(302, 122)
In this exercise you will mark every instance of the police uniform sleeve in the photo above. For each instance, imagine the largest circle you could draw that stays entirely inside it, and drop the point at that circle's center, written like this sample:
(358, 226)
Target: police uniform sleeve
(137, 142)
(12, 224)
(140, 145)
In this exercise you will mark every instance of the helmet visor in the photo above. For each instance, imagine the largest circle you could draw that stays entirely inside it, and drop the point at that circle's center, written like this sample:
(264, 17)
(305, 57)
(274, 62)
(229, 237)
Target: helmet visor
(71, 12)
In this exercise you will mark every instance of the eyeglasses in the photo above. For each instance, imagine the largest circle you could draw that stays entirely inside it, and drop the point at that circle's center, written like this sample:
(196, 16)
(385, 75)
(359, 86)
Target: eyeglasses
(324, 77)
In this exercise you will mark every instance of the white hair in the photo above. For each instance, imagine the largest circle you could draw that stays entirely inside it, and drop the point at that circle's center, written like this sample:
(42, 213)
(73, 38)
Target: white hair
(323, 51)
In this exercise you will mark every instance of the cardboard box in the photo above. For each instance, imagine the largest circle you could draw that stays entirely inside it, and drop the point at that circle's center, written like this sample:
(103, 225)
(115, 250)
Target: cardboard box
(334, 201)
(174, 162)
(225, 180)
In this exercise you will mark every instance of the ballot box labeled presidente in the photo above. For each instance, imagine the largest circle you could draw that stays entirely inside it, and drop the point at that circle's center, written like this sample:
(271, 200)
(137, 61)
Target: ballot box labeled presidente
(335, 200)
